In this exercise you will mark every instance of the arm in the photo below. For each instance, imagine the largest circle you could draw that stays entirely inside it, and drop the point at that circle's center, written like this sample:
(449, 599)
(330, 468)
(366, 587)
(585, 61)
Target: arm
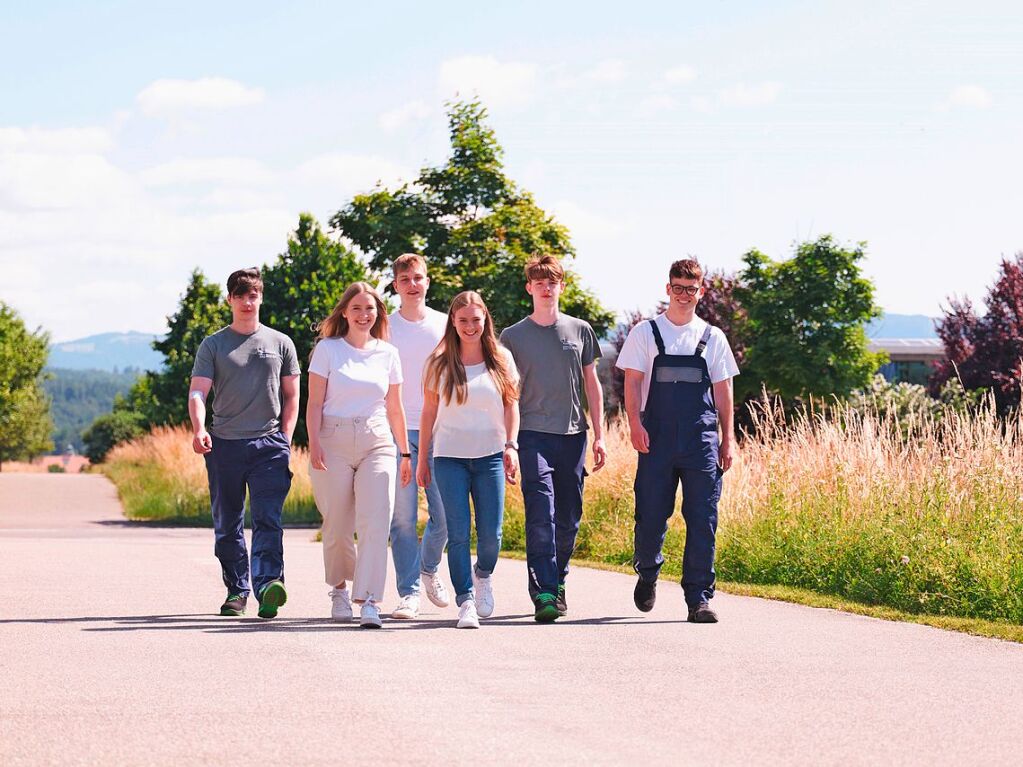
(511, 430)
(595, 399)
(396, 418)
(633, 398)
(724, 402)
(289, 405)
(198, 391)
(431, 400)
(314, 419)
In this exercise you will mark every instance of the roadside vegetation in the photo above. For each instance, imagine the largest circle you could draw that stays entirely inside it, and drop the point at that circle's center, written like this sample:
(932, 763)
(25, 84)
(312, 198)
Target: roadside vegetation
(921, 514)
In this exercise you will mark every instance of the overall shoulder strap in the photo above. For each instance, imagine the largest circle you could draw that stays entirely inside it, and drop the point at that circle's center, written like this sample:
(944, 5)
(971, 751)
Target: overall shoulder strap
(657, 336)
(703, 341)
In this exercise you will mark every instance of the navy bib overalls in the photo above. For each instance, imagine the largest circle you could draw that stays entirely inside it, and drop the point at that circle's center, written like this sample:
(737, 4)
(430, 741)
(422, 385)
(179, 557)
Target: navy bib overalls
(682, 422)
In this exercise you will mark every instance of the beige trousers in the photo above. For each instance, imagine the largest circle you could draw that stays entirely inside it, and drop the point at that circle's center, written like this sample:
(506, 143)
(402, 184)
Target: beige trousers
(355, 496)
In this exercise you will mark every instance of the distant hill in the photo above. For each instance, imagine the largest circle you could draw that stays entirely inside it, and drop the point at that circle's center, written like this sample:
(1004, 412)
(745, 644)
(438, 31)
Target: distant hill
(107, 351)
(902, 326)
(77, 397)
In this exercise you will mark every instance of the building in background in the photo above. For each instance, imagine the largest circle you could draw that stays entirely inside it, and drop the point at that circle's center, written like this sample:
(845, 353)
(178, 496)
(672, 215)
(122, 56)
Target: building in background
(912, 359)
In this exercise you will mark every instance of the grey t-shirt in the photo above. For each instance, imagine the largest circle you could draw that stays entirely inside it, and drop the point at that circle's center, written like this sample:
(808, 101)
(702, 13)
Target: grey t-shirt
(246, 373)
(550, 361)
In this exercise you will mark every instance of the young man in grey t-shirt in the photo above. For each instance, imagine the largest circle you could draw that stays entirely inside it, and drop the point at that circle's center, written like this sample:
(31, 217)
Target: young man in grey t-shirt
(555, 355)
(253, 372)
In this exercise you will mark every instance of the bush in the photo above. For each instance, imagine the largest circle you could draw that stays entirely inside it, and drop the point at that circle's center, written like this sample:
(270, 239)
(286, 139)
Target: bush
(55, 468)
(110, 430)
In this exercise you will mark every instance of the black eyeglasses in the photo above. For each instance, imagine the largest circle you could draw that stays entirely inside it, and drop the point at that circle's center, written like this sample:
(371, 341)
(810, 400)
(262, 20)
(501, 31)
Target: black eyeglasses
(689, 290)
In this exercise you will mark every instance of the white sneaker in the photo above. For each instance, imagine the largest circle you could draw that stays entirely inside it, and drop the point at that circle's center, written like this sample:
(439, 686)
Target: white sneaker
(435, 589)
(407, 609)
(467, 616)
(369, 616)
(340, 604)
(484, 592)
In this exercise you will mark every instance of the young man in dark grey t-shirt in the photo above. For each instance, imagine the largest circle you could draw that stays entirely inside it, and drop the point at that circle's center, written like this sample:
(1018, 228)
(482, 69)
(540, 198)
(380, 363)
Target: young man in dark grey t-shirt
(253, 372)
(555, 355)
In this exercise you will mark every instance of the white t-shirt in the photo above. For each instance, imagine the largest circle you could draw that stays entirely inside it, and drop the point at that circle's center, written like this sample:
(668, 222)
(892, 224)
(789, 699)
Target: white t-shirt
(415, 341)
(475, 428)
(639, 349)
(357, 379)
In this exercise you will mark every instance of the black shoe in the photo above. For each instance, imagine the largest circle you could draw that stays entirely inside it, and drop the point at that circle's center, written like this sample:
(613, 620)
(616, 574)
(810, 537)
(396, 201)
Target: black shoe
(546, 608)
(702, 614)
(234, 605)
(560, 602)
(645, 595)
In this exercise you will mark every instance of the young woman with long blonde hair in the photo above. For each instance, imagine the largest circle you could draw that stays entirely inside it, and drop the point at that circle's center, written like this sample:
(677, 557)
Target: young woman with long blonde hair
(471, 417)
(354, 417)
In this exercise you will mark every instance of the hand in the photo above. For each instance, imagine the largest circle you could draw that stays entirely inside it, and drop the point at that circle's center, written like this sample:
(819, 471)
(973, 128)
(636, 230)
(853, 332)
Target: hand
(405, 471)
(727, 454)
(316, 456)
(202, 442)
(511, 465)
(599, 454)
(640, 438)
(422, 473)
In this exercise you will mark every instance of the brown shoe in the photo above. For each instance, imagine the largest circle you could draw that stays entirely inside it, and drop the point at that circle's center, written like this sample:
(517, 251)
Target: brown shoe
(702, 614)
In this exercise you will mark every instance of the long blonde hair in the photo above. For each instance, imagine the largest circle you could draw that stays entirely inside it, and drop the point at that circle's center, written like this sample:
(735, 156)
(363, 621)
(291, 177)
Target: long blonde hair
(445, 373)
(336, 326)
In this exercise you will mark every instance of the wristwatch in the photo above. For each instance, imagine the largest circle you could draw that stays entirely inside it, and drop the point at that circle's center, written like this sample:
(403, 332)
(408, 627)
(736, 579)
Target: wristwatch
(405, 455)
(512, 444)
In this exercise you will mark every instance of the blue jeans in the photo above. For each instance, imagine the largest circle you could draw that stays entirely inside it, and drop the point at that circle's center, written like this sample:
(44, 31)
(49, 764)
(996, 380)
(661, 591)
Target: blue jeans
(553, 467)
(411, 558)
(262, 466)
(483, 480)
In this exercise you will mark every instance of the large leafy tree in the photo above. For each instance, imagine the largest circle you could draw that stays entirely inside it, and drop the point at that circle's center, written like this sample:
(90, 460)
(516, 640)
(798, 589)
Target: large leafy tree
(25, 423)
(476, 228)
(301, 288)
(986, 352)
(806, 318)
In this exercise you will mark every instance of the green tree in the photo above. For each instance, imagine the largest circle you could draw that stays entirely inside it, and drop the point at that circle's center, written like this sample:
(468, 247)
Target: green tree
(302, 287)
(806, 318)
(109, 430)
(476, 228)
(161, 397)
(25, 424)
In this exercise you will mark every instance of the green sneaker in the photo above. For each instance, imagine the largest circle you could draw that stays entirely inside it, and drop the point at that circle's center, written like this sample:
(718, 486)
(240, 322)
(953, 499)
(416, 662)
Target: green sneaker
(272, 597)
(234, 605)
(546, 608)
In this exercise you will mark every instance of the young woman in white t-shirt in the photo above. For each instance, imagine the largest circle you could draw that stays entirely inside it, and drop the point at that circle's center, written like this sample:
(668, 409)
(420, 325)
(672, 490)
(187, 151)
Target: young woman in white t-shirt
(355, 417)
(471, 417)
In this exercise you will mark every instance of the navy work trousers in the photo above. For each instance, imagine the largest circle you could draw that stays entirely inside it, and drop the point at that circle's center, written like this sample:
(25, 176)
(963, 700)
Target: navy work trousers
(261, 465)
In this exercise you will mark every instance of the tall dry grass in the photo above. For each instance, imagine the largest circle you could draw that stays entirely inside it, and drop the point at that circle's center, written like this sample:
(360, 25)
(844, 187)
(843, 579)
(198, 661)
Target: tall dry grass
(924, 517)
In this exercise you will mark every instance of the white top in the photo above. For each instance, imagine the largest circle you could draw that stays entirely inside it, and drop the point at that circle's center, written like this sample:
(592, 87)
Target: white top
(475, 428)
(415, 341)
(639, 349)
(357, 379)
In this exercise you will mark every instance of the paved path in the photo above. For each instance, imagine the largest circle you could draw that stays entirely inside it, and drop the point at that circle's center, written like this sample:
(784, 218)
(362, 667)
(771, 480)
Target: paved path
(109, 655)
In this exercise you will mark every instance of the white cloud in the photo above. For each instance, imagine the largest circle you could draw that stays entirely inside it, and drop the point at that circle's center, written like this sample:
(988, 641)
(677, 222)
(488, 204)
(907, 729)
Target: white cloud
(222, 170)
(351, 173)
(62, 140)
(40, 181)
(968, 97)
(397, 118)
(738, 97)
(496, 83)
(168, 97)
(609, 71)
(679, 75)
(656, 104)
(584, 224)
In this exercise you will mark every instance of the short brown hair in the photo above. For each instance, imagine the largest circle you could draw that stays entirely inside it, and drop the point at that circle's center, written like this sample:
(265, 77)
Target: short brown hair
(686, 269)
(243, 281)
(407, 261)
(544, 268)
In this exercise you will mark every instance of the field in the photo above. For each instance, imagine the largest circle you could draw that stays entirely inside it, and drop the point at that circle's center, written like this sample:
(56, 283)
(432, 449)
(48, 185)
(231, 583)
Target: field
(926, 519)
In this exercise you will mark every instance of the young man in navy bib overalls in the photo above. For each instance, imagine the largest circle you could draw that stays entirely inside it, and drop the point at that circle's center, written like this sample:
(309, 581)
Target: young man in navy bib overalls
(678, 391)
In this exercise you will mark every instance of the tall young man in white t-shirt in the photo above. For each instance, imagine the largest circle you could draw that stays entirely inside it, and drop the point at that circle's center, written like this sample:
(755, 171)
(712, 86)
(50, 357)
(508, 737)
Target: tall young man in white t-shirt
(416, 329)
(678, 390)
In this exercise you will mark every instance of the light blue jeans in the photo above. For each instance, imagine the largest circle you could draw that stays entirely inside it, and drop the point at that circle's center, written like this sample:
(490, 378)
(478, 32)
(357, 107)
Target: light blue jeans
(411, 557)
(482, 479)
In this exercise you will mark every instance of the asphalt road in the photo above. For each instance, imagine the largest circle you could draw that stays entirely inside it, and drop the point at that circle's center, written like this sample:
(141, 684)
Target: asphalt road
(111, 654)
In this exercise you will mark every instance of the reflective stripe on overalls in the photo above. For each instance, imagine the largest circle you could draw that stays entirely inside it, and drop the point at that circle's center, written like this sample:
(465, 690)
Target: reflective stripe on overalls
(682, 423)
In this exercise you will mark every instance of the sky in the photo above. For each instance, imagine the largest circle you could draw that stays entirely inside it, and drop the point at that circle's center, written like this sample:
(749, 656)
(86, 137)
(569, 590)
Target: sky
(139, 141)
